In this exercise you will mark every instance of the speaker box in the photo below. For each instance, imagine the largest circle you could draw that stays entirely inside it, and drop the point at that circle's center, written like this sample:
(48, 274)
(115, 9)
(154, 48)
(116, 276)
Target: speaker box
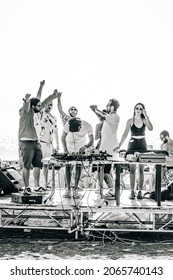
(10, 180)
(27, 199)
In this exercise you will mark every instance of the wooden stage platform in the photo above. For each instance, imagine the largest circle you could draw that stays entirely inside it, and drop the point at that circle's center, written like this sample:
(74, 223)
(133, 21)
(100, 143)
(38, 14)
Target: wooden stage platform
(87, 214)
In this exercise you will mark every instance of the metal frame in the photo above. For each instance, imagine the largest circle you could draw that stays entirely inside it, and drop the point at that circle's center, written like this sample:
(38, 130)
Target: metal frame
(83, 219)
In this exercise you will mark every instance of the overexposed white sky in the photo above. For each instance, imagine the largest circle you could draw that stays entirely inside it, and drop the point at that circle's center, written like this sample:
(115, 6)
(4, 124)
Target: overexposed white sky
(90, 50)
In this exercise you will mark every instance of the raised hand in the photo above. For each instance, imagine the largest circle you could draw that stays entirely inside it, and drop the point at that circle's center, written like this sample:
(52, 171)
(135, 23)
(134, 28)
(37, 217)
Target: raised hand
(93, 107)
(144, 113)
(55, 93)
(42, 83)
(59, 94)
(27, 97)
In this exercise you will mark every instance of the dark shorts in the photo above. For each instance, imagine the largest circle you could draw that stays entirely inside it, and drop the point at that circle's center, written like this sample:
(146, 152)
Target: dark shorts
(31, 154)
(107, 168)
(137, 145)
(94, 167)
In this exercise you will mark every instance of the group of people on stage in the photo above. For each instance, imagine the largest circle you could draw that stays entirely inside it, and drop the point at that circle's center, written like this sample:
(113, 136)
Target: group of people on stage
(38, 127)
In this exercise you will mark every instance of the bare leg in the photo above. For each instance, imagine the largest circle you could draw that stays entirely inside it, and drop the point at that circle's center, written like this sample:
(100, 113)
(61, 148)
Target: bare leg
(25, 174)
(132, 181)
(108, 180)
(100, 178)
(93, 179)
(45, 173)
(141, 177)
(132, 176)
(36, 172)
(68, 175)
(77, 175)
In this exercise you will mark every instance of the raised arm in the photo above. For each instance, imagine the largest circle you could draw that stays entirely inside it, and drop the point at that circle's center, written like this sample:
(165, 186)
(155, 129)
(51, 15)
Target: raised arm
(49, 99)
(26, 102)
(59, 105)
(98, 113)
(39, 93)
(147, 120)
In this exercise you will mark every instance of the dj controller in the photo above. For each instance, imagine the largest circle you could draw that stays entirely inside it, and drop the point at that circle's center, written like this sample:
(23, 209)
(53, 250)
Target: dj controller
(81, 157)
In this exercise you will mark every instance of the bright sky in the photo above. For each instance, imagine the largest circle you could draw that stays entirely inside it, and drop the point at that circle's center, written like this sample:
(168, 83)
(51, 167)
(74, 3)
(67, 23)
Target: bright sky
(90, 50)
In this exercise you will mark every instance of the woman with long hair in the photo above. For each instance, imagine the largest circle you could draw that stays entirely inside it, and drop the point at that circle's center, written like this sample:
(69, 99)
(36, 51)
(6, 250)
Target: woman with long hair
(137, 143)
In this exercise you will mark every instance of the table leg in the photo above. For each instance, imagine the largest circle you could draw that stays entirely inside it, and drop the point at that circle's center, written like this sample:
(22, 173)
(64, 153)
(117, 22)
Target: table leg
(158, 184)
(100, 178)
(117, 183)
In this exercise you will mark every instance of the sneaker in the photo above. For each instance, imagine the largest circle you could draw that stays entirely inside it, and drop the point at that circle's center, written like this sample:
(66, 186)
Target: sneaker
(109, 196)
(139, 196)
(40, 189)
(132, 195)
(67, 194)
(76, 195)
(27, 191)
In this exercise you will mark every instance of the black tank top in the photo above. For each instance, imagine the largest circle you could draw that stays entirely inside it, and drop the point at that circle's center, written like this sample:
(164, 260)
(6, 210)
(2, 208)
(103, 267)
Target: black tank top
(138, 131)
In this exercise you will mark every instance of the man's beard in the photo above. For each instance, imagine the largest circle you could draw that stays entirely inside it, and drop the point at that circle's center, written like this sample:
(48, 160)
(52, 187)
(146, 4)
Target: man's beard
(72, 116)
(165, 141)
(36, 111)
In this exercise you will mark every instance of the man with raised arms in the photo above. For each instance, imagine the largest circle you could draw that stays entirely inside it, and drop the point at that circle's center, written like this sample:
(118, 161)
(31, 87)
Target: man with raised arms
(30, 147)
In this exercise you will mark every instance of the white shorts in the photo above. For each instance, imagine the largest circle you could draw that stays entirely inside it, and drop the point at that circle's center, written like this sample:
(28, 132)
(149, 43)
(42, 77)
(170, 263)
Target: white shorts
(46, 149)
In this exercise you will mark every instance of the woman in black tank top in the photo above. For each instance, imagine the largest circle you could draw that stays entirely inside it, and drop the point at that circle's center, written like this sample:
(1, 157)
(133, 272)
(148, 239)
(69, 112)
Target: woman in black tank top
(137, 143)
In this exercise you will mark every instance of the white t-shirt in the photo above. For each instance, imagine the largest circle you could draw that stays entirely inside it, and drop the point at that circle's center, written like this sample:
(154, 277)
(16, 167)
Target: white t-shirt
(76, 140)
(109, 139)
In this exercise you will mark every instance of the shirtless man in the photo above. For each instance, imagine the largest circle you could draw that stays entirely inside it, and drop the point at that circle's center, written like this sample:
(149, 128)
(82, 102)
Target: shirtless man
(167, 145)
(167, 142)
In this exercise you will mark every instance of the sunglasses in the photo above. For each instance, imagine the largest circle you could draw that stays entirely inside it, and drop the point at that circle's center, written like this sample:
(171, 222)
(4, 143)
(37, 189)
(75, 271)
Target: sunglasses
(73, 109)
(137, 108)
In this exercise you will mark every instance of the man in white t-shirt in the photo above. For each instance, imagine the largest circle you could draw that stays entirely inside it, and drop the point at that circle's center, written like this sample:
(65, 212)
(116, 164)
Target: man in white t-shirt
(109, 141)
(74, 139)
